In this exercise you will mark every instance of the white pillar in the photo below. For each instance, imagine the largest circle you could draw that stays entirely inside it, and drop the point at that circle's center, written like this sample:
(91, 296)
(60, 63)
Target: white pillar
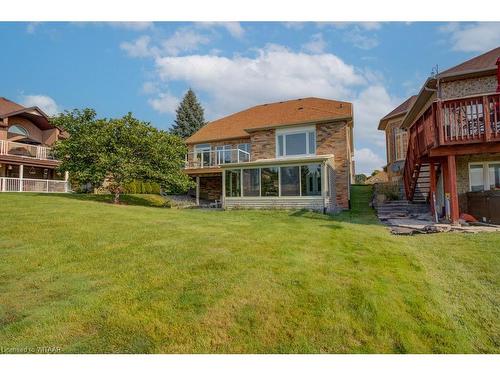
(197, 190)
(223, 198)
(324, 185)
(66, 177)
(21, 176)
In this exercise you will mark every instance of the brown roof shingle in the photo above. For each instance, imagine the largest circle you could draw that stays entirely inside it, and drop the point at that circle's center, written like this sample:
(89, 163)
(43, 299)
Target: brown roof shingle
(486, 61)
(399, 110)
(8, 106)
(263, 116)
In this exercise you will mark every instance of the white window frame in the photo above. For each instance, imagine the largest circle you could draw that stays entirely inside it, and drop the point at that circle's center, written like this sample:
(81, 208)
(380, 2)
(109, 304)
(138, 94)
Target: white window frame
(298, 130)
(486, 173)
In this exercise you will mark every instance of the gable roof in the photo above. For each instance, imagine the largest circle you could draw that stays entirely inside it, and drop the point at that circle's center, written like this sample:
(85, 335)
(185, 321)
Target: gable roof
(8, 108)
(478, 66)
(264, 116)
(485, 62)
(398, 111)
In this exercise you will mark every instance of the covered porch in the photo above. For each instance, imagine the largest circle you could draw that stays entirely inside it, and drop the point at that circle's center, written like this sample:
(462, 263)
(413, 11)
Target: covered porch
(20, 177)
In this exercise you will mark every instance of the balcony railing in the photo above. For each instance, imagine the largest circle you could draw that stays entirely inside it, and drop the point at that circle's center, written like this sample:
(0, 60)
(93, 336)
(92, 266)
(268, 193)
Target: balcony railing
(214, 158)
(449, 123)
(25, 150)
(9, 184)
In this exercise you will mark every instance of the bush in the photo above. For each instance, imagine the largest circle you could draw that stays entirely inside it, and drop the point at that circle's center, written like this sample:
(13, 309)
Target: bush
(391, 190)
(142, 187)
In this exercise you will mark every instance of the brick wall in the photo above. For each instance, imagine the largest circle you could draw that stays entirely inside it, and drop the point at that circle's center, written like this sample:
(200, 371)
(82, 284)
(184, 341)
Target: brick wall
(468, 87)
(211, 187)
(334, 139)
(462, 163)
(263, 144)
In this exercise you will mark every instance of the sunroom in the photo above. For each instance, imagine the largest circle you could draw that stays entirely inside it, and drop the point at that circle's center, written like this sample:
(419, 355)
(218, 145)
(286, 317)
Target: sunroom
(300, 183)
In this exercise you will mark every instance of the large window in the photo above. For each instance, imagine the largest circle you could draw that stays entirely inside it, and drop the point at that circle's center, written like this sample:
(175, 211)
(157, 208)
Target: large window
(251, 182)
(311, 179)
(290, 181)
(484, 176)
(269, 182)
(294, 143)
(233, 183)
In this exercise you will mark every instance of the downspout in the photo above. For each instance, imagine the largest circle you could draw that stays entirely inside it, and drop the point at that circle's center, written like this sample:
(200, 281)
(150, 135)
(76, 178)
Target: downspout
(498, 74)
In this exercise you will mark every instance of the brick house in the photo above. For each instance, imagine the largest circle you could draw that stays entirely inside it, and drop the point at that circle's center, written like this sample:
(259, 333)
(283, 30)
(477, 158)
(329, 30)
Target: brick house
(396, 139)
(26, 160)
(453, 134)
(290, 154)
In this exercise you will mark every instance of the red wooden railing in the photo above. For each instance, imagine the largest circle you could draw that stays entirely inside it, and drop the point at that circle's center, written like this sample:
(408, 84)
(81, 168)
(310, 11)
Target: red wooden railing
(448, 123)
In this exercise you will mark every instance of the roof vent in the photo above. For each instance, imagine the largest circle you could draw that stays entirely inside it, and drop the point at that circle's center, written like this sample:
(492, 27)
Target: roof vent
(300, 108)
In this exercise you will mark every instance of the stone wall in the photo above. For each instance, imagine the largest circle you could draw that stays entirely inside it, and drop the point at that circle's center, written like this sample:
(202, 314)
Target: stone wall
(462, 163)
(468, 87)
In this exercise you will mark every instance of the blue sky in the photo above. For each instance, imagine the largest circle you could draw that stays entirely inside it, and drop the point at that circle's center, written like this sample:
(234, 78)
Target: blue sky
(146, 67)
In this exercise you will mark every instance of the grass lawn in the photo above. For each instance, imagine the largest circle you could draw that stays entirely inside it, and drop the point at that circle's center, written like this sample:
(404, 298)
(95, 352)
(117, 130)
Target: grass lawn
(86, 277)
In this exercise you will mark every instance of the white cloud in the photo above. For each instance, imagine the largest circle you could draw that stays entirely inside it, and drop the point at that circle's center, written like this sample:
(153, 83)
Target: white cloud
(275, 73)
(361, 39)
(149, 87)
(164, 103)
(370, 105)
(316, 45)
(345, 25)
(233, 28)
(183, 40)
(476, 37)
(294, 25)
(135, 26)
(366, 161)
(140, 47)
(31, 27)
(44, 102)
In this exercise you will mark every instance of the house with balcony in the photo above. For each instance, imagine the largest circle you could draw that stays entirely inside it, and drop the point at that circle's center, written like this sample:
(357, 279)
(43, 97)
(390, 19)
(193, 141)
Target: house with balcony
(26, 160)
(453, 135)
(289, 154)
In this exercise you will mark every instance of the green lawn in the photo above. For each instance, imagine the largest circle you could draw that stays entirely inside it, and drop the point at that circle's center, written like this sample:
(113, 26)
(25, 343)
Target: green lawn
(86, 276)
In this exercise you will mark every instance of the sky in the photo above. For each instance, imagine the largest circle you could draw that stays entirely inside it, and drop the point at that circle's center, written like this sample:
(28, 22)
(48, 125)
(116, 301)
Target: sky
(145, 68)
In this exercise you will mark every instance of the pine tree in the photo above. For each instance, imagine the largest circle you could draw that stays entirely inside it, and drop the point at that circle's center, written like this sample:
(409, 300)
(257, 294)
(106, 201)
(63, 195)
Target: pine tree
(189, 117)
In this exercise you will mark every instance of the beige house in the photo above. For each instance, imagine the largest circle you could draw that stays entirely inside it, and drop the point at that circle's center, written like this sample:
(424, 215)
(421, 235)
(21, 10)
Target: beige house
(290, 154)
(26, 160)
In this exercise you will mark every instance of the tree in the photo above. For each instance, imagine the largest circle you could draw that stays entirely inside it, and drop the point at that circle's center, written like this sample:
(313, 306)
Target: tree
(360, 178)
(189, 116)
(115, 152)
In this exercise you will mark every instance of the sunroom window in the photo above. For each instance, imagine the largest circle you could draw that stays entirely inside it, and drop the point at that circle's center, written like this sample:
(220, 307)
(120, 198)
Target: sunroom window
(296, 142)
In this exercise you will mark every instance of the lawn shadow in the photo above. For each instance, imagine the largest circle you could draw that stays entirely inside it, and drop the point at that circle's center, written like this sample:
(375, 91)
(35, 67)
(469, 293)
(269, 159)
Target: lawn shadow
(145, 200)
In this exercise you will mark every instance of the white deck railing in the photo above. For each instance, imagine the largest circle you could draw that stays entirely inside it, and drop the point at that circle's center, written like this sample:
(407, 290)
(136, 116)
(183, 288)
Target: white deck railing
(10, 184)
(214, 158)
(25, 150)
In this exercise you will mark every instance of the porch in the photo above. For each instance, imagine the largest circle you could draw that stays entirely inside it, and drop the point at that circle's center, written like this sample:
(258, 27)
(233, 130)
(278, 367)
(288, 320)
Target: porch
(29, 178)
(443, 134)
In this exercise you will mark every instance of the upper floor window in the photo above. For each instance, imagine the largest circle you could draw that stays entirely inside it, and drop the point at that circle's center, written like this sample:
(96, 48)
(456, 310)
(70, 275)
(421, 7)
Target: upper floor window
(296, 142)
(18, 130)
(400, 144)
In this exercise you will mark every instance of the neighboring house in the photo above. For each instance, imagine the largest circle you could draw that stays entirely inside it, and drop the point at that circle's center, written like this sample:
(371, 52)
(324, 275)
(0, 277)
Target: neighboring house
(396, 139)
(453, 126)
(26, 161)
(377, 178)
(290, 154)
